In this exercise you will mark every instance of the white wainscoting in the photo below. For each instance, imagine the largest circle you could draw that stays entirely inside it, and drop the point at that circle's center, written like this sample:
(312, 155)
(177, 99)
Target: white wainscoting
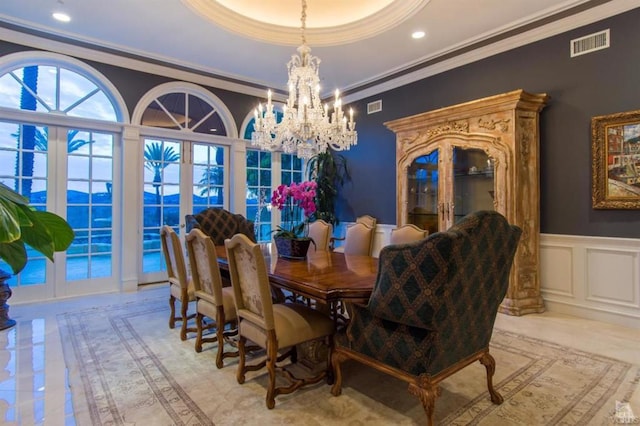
(594, 278)
(591, 277)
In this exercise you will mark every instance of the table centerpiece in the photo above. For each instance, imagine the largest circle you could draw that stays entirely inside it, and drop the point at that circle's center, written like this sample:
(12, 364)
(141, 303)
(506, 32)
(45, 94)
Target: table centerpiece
(297, 203)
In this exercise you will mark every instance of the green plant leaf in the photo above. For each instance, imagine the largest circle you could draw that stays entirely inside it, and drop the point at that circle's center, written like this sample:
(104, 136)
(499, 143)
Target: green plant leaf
(330, 172)
(9, 222)
(15, 254)
(21, 224)
(59, 230)
(7, 193)
(49, 233)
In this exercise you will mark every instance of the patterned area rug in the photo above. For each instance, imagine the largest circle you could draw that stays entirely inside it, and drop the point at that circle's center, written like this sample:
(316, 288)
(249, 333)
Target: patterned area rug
(126, 367)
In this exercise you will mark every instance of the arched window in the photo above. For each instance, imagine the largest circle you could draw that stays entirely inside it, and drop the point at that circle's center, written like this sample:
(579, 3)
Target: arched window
(186, 138)
(185, 106)
(59, 85)
(60, 147)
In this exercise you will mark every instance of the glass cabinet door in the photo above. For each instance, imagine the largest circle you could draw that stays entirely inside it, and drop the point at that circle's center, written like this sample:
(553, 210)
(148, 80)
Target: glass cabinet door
(473, 186)
(423, 192)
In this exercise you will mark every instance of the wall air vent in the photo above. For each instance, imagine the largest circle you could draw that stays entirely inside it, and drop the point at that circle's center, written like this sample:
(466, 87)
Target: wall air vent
(375, 106)
(590, 43)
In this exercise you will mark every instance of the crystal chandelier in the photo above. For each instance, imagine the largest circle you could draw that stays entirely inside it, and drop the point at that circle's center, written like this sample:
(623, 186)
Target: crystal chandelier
(308, 127)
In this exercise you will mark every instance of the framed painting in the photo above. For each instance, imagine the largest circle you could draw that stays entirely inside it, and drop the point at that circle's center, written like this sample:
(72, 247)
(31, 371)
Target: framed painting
(615, 162)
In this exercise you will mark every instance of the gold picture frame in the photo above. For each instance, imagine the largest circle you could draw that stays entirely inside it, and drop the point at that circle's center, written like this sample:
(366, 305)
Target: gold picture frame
(615, 149)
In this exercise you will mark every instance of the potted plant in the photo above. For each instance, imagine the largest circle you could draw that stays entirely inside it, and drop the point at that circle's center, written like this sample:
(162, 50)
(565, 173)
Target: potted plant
(295, 201)
(330, 172)
(22, 225)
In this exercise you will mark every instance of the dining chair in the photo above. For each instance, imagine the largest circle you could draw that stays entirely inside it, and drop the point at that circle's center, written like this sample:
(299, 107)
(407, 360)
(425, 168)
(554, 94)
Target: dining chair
(408, 233)
(358, 240)
(433, 307)
(320, 232)
(368, 220)
(220, 224)
(213, 301)
(272, 326)
(180, 284)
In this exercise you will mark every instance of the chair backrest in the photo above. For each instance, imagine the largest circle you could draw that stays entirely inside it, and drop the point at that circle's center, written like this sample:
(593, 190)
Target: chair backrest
(456, 281)
(251, 288)
(370, 221)
(320, 232)
(220, 224)
(203, 259)
(174, 257)
(407, 234)
(358, 240)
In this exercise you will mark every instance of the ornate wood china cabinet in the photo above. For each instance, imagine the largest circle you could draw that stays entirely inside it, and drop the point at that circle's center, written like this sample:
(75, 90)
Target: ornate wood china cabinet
(479, 155)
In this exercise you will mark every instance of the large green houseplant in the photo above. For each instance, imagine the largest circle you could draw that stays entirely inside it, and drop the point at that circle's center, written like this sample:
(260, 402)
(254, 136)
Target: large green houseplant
(22, 225)
(329, 170)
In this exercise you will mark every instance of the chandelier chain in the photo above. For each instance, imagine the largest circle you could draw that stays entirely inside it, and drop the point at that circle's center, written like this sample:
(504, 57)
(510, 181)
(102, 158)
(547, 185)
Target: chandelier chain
(303, 21)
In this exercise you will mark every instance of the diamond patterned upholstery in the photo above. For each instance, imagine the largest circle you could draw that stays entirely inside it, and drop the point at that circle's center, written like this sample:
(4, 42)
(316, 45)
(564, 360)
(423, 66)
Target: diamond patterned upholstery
(434, 305)
(220, 224)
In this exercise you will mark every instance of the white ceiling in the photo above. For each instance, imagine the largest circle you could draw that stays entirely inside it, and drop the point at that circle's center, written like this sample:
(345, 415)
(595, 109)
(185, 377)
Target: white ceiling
(172, 31)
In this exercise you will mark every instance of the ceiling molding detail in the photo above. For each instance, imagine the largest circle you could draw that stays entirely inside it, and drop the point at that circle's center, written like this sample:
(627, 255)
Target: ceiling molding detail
(378, 22)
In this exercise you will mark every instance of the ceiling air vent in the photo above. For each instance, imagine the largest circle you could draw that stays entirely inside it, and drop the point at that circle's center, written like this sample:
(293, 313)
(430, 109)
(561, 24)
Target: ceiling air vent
(375, 106)
(590, 43)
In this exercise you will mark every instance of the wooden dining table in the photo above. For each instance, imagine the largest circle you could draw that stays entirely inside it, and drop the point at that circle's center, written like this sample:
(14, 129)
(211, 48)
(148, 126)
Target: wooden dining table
(324, 276)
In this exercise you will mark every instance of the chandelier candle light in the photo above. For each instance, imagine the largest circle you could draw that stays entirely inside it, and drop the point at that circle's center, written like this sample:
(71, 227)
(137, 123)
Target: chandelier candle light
(307, 127)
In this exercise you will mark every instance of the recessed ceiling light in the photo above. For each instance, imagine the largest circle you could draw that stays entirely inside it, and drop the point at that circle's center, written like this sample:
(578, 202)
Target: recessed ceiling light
(61, 16)
(418, 34)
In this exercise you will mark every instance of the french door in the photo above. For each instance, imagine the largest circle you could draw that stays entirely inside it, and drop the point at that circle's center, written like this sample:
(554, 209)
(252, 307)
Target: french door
(70, 172)
(180, 178)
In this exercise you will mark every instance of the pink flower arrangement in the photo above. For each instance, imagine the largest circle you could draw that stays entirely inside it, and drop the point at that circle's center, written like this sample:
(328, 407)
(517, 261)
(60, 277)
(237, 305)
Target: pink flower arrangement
(293, 200)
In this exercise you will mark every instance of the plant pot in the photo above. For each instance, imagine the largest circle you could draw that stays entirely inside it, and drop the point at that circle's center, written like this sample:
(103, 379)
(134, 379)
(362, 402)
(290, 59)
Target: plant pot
(292, 248)
(5, 294)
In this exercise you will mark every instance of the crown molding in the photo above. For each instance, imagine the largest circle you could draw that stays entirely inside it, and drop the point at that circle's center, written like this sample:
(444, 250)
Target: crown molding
(438, 63)
(186, 72)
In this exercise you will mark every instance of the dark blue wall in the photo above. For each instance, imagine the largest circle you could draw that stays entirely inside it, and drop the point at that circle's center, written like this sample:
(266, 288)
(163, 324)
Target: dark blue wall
(603, 82)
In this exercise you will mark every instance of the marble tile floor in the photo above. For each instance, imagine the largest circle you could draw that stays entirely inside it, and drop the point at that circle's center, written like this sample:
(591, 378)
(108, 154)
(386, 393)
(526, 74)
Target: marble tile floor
(33, 377)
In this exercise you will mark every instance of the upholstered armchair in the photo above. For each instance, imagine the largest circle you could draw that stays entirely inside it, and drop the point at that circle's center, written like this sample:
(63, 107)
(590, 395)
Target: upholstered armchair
(359, 235)
(220, 224)
(368, 220)
(433, 307)
(407, 234)
(358, 240)
(320, 232)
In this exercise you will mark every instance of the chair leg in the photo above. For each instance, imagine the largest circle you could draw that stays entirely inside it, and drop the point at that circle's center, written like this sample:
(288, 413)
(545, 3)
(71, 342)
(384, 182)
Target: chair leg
(183, 312)
(272, 357)
(220, 322)
(427, 392)
(241, 362)
(490, 364)
(172, 306)
(199, 318)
